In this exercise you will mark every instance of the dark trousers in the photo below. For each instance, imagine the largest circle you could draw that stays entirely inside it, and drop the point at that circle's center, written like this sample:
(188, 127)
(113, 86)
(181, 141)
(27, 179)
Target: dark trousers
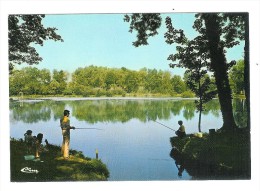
(180, 134)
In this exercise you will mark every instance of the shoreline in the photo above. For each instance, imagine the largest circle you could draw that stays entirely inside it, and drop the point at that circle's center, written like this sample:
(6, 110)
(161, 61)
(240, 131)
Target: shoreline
(220, 156)
(98, 98)
(53, 167)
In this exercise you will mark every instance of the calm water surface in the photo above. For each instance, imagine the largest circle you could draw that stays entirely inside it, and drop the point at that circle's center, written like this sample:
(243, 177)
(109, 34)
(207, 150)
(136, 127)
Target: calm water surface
(130, 142)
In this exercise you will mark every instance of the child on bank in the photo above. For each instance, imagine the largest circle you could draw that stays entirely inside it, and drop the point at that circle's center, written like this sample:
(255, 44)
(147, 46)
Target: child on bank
(181, 131)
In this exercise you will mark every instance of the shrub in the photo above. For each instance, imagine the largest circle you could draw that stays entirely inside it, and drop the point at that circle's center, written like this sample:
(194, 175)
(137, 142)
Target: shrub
(100, 92)
(187, 94)
(109, 94)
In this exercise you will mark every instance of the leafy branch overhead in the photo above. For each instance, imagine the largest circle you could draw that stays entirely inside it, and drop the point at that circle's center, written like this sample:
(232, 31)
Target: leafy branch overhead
(146, 25)
(194, 56)
(206, 52)
(25, 31)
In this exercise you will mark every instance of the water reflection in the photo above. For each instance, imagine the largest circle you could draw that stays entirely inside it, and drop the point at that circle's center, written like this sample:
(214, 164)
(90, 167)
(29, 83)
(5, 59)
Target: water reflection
(30, 112)
(240, 112)
(102, 110)
(130, 137)
(94, 111)
(178, 161)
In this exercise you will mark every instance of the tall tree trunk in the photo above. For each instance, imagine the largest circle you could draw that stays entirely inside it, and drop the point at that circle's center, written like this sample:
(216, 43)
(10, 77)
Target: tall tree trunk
(200, 105)
(246, 69)
(199, 121)
(247, 81)
(219, 65)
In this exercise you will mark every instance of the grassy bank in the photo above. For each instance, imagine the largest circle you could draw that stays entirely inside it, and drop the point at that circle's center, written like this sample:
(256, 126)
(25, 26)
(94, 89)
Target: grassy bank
(223, 155)
(144, 95)
(52, 167)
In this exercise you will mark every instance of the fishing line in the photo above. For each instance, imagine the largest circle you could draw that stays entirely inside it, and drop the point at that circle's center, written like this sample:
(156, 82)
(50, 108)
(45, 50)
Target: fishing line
(163, 125)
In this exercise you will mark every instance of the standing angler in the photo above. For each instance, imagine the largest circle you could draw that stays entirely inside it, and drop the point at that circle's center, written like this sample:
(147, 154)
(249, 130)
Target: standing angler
(65, 127)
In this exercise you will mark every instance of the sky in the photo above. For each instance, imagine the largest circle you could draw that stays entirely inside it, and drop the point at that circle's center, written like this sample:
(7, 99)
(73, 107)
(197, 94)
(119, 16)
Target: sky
(105, 40)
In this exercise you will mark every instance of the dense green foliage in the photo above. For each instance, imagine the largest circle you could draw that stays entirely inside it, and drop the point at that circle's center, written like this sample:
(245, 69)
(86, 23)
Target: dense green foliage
(192, 55)
(95, 81)
(216, 33)
(25, 31)
(236, 78)
(103, 81)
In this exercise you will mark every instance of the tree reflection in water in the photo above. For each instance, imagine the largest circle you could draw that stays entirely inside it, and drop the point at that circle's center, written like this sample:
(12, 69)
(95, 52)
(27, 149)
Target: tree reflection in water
(178, 161)
(117, 110)
(112, 114)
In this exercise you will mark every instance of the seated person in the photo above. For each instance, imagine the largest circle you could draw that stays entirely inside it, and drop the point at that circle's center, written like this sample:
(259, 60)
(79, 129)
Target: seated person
(181, 131)
(29, 140)
(39, 148)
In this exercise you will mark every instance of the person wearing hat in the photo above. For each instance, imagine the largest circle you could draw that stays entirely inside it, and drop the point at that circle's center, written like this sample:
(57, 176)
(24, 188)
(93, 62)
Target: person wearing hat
(65, 127)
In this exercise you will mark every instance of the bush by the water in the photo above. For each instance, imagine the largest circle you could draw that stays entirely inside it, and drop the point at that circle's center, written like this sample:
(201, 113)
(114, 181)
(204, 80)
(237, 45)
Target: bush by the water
(187, 94)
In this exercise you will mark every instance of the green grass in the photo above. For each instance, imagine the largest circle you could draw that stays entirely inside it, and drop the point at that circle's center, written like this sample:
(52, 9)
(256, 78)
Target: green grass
(52, 167)
(227, 153)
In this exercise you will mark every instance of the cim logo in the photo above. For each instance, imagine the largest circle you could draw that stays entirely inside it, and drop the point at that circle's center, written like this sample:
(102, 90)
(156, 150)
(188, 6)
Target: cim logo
(29, 170)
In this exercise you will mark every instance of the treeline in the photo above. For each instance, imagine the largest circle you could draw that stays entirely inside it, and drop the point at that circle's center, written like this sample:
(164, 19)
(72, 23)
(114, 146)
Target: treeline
(96, 81)
(103, 81)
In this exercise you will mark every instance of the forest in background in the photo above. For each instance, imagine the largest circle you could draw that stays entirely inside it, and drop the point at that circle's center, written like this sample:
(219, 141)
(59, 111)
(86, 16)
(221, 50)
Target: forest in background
(103, 81)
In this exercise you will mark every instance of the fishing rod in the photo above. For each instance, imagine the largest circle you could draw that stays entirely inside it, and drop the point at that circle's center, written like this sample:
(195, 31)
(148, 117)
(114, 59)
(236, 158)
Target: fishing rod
(90, 128)
(163, 125)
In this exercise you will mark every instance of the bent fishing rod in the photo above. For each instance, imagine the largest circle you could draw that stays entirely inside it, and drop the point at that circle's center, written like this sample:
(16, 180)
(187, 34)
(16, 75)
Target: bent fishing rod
(163, 125)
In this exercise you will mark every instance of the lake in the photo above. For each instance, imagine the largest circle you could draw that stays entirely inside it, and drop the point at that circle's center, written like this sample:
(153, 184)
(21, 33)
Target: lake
(129, 138)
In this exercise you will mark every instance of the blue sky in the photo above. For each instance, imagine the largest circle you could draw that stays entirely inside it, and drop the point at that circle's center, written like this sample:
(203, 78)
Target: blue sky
(104, 40)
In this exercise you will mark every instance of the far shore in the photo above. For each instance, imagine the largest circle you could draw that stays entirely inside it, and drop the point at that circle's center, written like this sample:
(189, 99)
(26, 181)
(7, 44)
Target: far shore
(97, 98)
(76, 98)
